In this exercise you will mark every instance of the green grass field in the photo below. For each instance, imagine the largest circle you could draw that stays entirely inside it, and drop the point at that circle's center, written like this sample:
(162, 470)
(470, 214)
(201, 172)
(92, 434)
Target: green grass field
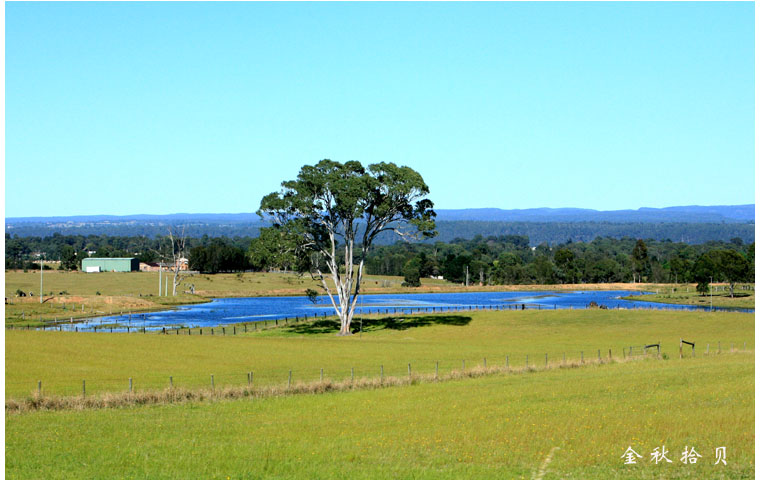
(106, 361)
(498, 426)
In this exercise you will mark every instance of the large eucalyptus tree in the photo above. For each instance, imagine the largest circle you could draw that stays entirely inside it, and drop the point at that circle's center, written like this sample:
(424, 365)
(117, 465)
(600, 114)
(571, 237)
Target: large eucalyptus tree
(336, 210)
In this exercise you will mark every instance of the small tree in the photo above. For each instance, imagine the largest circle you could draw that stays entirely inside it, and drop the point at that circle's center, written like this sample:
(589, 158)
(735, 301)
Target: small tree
(411, 273)
(639, 260)
(734, 267)
(333, 207)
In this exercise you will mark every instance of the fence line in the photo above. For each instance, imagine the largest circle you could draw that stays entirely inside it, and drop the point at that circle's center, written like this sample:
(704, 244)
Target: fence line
(416, 367)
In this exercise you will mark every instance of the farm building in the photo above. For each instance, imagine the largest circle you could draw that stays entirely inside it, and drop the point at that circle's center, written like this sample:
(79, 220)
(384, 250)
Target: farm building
(91, 265)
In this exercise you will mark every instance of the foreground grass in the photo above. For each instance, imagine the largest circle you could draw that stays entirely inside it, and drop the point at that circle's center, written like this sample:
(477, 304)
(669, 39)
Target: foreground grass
(62, 360)
(496, 427)
(686, 294)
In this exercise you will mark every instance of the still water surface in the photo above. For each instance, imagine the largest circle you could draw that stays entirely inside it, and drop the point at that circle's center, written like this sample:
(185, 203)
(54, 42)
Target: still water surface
(250, 310)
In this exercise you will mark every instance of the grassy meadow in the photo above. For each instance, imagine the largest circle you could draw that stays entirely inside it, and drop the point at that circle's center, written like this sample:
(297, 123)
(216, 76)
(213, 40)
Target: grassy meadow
(106, 361)
(497, 426)
(557, 424)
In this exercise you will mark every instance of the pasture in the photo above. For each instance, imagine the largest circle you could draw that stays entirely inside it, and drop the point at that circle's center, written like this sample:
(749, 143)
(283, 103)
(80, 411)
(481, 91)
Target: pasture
(61, 360)
(497, 426)
(560, 424)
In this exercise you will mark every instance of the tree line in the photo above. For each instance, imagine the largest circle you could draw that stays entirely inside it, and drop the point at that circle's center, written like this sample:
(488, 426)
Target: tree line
(491, 260)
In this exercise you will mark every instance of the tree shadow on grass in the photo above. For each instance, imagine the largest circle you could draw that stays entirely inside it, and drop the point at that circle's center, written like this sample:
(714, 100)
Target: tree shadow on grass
(399, 323)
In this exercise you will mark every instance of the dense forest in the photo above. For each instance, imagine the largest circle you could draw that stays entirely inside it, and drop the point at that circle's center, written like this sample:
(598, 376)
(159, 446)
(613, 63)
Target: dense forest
(509, 259)
(552, 233)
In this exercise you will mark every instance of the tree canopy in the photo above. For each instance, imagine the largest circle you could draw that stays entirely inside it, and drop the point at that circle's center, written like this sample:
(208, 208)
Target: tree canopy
(333, 207)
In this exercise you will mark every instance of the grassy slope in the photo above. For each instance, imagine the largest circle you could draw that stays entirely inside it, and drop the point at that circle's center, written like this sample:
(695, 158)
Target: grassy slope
(61, 360)
(497, 427)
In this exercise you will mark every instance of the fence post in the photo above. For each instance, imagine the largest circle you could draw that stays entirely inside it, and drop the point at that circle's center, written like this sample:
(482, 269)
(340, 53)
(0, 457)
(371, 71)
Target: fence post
(409, 370)
(582, 357)
(212, 382)
(171, 384)
(381, 374)
(599, 357)
(708, 348)
(484, 362)
(437, 371)
(39, 388)
(130, 385)
(84, 393)
(610, 353)
(321, 374)
(546, 360)
(563, 358)
(352, 375)
(290, 374)
(507, 362)
(526, 361)
(693, 351)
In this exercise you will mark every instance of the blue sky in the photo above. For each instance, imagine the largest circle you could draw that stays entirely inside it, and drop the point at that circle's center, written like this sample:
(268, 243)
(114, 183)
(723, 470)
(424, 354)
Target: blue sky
(126, 108)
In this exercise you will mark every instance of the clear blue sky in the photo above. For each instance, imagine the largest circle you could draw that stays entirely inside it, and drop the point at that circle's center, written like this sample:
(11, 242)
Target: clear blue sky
(126, 108)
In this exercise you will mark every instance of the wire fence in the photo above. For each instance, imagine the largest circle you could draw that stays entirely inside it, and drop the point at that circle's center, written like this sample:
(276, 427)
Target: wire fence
(87, 383)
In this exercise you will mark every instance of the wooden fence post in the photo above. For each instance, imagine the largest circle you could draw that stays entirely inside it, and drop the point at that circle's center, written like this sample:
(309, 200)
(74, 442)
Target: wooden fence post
(39, 388)
(409, 370)
(290, 375)
(436, 377)
(546, 360)
(130, 385)
(212, 382)
(582, 357)
(507, 362)
(381, 374)
(610, 353)
(484, 362)
(599, 357)
(84, 393)
(171, 383)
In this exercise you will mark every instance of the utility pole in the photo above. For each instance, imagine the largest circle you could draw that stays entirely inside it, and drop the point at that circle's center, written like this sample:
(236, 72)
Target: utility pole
(42, 268)
(159, 278)
(467, 274)
(710, 287)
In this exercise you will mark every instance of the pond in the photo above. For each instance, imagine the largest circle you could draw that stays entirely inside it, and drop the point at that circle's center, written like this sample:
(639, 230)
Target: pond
(222, 311)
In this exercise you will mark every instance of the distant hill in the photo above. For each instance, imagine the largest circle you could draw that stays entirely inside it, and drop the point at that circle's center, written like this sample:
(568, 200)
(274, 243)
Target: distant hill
(690, 224)
(677, 214)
